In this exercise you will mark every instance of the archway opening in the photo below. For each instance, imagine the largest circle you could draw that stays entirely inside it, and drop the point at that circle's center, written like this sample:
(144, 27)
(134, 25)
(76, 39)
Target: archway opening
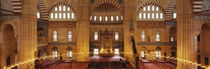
(106, 13)
(9, 46)
(204, 44)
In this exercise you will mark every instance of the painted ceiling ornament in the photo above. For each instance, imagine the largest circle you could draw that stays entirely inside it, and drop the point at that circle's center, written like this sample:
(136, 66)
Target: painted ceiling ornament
(120, 1)
(92, 1)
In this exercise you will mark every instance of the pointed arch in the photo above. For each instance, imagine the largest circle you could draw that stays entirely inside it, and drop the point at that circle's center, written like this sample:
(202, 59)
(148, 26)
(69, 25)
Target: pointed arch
(95, 5)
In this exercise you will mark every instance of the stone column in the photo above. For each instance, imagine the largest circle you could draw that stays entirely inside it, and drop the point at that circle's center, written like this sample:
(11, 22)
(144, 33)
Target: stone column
(185, 34)
(27, 45)
(129, 25)
(83, 25)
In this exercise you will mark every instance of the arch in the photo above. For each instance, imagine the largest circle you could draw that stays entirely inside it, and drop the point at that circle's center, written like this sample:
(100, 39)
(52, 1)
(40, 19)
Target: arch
(150, 11)
(173, 49)
(62, 3)
(68, 48)
(43, 10)
(204, 42)
(54, 48)
(171, 8)
(9, 45)
(150, 3)
(158, 48)
(109, 2)
(10, 23)
(205, 27)
(172, 30)
(47, 16)
(143, 48)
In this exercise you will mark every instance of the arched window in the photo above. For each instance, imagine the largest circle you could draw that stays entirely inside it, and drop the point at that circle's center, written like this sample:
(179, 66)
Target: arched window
(95, 35)
(140, 15)
(68, 15)
(157, 8)
(144, 8)
(60, 15)
(55, 52)
(56, 9)
(72, 15)
(142, 54)
(116, 51)
(90, 18)
(68, 8)
(157, 15)
(51, 15)
(143, 36)
(150, 12)
(153, 15)
(96, 51)
(69, 35)
(64, 15)
(144, 15)
(38, 15)
(55, 36)
(172, 34)
(153, 8)
(69, 53)
(107, 13)
(121, 17)
(148, 15)
(158, 52)
(95, 18)
(143, 49)
(148, 8)
(174, 15)
(157, 36)
(64, 8)
(106, 18)
(172, 39)
(117, 18)
(56, 15)
(100, 18)
(62, 12)
(112, 18)
(60, 8)
(161, 15)
(116, 36)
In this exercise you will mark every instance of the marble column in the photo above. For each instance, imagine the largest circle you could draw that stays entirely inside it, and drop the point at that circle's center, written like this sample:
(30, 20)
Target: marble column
(129, 25)
(83, 25)
(27, 45)
(185, 34)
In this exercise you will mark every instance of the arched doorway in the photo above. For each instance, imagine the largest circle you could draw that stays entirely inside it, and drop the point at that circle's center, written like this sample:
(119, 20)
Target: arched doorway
(106, 30)
(9, 46)
(204, 44)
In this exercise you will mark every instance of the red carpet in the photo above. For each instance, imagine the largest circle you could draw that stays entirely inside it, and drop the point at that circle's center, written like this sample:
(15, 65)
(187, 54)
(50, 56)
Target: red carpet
(158, 66)
(65, 65)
